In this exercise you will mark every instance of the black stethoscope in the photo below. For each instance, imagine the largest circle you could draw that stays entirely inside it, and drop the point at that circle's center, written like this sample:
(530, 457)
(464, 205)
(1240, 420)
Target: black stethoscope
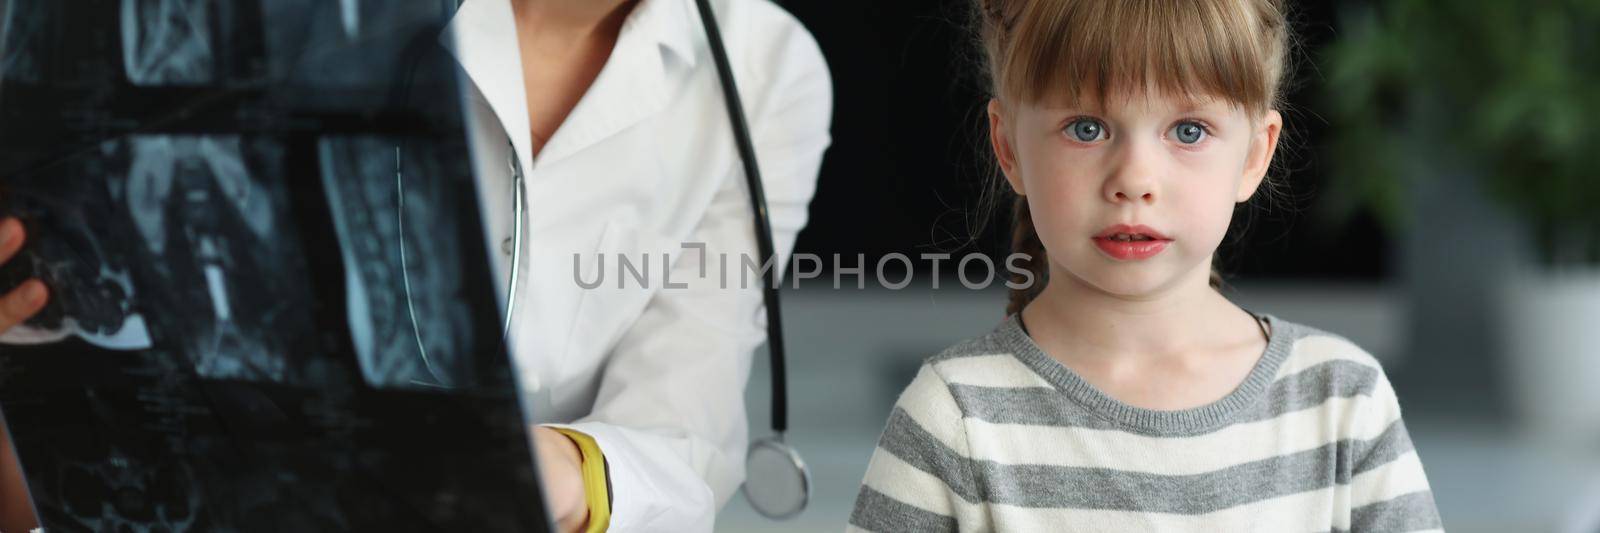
(777, 482)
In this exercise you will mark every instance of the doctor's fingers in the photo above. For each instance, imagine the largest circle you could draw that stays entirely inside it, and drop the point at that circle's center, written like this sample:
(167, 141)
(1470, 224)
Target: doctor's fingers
(25, 300)
(21, 303)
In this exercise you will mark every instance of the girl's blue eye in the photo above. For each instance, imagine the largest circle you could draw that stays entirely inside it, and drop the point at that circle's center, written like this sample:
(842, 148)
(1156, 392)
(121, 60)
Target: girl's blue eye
(1085, 130)
(1188, 132)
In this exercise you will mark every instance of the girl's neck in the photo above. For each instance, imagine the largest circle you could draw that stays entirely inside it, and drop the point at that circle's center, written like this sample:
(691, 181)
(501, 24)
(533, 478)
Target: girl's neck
(1173, 320)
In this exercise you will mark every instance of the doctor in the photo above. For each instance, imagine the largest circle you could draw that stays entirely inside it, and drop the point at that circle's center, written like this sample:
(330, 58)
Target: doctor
(616, 118)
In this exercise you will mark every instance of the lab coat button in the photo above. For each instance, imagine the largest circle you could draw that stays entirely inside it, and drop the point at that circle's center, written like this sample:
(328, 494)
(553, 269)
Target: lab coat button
(505, 246)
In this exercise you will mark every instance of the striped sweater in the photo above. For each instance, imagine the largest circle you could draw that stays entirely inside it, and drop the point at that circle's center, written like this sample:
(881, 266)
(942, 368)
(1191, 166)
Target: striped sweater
(995, 435)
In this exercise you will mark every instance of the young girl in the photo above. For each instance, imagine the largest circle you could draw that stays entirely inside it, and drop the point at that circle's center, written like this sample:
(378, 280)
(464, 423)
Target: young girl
(1123, 392)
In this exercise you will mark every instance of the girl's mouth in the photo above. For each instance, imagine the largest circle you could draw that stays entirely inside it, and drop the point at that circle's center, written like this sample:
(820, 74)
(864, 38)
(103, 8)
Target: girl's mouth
(1131, 247)
(1125, 242)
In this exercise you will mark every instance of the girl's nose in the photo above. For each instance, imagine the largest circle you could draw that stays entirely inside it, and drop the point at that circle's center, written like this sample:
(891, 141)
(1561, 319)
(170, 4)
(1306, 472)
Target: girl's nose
(1133, 178)
(1146, 197)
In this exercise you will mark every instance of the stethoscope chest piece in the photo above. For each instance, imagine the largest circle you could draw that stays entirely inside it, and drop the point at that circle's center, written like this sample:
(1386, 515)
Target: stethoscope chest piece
(777, 483)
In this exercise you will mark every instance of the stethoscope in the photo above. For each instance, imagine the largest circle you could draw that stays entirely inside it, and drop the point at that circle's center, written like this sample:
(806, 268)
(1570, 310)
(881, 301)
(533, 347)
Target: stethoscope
(777, 481)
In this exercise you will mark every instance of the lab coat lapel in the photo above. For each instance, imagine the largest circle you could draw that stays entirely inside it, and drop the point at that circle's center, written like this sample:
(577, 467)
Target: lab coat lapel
(483, 38)
(631, 87)
(633, 84)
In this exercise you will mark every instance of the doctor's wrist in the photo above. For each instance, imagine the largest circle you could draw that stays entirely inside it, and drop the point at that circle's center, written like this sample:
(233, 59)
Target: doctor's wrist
(561, 470)
(596, 472)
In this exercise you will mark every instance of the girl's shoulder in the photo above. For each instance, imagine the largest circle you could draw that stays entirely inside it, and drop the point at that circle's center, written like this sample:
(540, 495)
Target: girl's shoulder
(988, 360)
(1329, 374)
(1311, 349)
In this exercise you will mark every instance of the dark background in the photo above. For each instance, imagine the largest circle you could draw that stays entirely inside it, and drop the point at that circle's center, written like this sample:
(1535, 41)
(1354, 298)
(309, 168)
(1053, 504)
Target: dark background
(909, 157)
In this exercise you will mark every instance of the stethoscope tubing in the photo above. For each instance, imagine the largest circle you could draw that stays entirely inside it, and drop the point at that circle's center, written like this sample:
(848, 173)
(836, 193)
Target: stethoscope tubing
(763, 225)
(519, 215)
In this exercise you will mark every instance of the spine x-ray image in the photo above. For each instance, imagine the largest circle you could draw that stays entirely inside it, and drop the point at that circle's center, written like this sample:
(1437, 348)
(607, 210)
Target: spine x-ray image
(271, 299)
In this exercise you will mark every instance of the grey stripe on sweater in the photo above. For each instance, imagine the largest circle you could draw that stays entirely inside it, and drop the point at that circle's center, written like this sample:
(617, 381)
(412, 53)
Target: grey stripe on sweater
(1076, 487)
(878, 512)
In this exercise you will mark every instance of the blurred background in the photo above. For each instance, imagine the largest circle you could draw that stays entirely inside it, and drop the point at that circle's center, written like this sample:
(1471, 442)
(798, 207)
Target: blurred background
(1440, 206)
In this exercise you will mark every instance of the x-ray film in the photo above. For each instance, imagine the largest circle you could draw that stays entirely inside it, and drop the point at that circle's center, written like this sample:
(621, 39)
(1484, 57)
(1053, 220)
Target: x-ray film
(271, 305)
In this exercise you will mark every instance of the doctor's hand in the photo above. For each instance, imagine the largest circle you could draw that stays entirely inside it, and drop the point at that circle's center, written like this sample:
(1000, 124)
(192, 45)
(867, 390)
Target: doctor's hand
(560, 464)
(26, 299)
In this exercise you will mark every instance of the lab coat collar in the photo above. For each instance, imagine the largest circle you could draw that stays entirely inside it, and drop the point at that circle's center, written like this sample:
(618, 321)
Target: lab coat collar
(628, 89)
(483, 37)
(670, 21)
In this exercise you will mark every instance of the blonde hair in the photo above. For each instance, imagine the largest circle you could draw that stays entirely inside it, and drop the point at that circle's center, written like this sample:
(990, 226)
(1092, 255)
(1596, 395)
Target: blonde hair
(1066, 51)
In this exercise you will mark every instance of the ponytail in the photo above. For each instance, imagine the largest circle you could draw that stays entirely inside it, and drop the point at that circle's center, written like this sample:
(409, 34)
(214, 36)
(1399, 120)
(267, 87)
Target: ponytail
(1025, 240)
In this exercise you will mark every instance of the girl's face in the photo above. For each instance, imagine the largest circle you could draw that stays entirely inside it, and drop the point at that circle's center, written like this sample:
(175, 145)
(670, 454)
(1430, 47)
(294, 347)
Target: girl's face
(1152, 161)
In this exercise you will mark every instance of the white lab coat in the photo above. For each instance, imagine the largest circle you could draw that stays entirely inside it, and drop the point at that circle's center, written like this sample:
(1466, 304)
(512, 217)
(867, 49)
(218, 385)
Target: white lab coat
(644, 163)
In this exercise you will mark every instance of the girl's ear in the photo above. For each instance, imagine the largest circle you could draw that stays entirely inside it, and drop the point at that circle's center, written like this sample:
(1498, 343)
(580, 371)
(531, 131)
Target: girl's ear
(1262, 145)
(1000, 142)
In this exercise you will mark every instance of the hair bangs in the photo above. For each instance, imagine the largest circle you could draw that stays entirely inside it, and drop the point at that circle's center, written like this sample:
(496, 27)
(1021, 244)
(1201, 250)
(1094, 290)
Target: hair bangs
(1093, 53)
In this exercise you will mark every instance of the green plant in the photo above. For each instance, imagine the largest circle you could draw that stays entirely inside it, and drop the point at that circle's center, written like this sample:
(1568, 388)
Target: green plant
(1509, 90)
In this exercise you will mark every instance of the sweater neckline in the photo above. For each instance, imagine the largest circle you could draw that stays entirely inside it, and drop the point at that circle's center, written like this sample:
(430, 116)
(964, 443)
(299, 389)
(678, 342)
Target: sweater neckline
(1152, 421)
